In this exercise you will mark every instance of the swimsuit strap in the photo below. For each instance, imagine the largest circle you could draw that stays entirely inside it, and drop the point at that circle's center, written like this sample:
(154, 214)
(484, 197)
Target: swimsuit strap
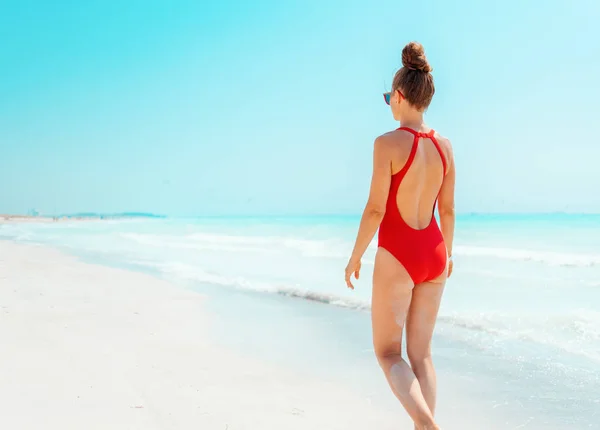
(437, 146)
(417, 134)
(430, 135)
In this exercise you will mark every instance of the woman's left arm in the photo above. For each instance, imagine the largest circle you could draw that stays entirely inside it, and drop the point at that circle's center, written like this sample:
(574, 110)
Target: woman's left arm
(375, 207)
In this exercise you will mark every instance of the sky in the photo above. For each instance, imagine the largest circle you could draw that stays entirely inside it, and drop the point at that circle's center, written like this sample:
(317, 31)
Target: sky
(231, 107)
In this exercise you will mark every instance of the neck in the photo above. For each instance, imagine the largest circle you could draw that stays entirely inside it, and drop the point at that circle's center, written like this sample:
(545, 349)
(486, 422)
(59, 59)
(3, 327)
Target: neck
(412, 120)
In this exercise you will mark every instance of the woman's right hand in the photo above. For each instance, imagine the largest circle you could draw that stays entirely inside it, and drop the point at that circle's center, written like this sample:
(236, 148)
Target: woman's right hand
(353, 268)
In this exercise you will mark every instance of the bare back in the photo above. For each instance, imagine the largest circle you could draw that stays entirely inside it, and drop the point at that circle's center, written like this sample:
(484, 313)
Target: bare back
(422, 182)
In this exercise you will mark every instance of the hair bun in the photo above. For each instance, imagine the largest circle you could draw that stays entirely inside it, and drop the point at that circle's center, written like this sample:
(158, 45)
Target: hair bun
(413, 57)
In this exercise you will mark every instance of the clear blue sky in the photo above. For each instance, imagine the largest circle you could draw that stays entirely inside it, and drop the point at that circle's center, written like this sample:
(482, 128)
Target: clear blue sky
(239, 107)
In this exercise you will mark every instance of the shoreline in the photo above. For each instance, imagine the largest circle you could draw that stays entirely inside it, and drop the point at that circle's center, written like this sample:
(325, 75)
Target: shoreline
(318, 353)
(95, 347)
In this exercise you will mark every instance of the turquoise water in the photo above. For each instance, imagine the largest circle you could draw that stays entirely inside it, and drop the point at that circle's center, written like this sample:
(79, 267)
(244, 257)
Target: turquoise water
(520, 317)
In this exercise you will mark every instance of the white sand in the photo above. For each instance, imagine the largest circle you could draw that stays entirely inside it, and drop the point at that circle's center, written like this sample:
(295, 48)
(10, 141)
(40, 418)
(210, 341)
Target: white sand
(89, 347)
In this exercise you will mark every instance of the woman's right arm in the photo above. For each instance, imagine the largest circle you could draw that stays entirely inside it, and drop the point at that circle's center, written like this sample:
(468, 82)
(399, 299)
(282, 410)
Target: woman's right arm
(446, 205)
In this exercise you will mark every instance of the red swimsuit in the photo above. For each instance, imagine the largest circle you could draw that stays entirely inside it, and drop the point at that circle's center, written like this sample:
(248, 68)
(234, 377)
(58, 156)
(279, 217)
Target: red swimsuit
(421, 252)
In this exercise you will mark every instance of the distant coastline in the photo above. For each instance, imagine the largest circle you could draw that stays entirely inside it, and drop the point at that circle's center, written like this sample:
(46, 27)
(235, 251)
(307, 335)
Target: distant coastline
(91, 216)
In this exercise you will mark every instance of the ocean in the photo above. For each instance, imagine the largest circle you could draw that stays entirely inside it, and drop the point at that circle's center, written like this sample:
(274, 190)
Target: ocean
(519, 326)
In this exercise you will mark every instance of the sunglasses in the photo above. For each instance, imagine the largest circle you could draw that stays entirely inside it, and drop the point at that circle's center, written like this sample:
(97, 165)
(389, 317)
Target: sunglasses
(388, 96)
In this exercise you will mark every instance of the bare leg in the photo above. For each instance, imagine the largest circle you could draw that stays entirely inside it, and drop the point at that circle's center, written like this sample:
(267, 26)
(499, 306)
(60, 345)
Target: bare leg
(392, 291)
(420, 324)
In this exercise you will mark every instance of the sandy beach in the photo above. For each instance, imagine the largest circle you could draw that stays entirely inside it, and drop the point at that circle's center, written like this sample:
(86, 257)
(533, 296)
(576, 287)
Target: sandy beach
(86, 346)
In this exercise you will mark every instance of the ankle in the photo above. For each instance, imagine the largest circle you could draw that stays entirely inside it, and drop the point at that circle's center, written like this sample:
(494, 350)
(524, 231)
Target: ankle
(428, 426)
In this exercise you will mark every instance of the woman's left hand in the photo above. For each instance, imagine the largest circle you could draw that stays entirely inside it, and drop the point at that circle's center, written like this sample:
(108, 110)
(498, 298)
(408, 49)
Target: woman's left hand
(353, 267)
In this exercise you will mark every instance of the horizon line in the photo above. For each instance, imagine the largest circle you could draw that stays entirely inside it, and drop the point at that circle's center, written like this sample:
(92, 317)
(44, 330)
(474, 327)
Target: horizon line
(142, 214)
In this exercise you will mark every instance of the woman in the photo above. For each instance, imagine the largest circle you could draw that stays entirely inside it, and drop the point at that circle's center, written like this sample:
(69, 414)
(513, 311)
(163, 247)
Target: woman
(413, 167)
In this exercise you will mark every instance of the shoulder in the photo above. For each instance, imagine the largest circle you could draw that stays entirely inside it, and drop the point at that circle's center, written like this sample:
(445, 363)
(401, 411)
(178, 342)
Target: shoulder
(445, 145)
(444, 141)
(393, 139)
